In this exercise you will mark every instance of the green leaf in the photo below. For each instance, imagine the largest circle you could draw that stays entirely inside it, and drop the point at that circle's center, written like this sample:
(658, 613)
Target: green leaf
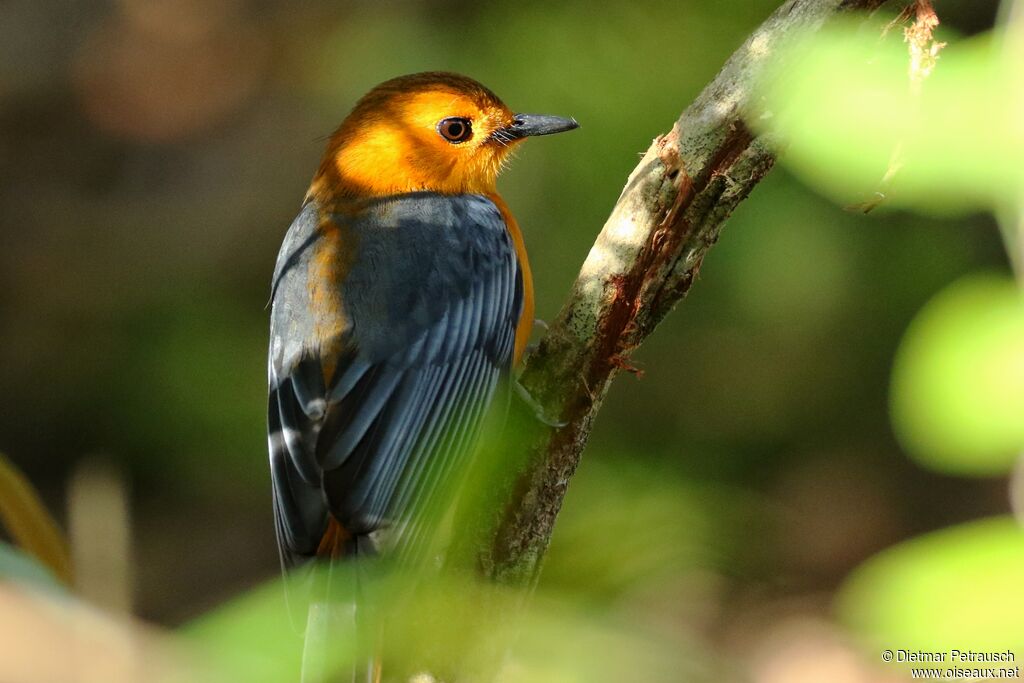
(956, 588)
(958, 381)
(251, 636)
(842, 103)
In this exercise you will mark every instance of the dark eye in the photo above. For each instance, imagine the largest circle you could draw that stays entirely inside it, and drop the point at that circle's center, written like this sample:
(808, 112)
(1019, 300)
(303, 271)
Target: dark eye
(455, 129)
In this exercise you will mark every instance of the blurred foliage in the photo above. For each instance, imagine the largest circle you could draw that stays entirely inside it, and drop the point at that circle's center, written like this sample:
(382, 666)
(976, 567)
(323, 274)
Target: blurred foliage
(252, 636)
(954, 588)
(848, 107)
(595, 630)
(455, 627)
(958, 382)
(851, 114)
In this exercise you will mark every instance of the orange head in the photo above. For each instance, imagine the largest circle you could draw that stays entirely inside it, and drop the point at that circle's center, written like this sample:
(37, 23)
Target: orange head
(434, 131)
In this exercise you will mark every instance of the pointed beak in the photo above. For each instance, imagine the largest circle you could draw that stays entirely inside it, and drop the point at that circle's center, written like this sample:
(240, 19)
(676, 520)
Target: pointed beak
(526, 125)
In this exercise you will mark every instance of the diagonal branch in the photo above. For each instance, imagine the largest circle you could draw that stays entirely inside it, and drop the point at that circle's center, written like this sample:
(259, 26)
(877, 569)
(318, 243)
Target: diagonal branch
(643, 263)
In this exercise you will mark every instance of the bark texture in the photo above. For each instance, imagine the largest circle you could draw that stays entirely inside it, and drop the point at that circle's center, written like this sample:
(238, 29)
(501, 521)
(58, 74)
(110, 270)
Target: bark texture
(642, 264)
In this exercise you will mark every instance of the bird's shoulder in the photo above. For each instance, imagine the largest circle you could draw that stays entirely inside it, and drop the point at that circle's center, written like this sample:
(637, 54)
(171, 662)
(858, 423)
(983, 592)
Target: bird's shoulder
(428, 222)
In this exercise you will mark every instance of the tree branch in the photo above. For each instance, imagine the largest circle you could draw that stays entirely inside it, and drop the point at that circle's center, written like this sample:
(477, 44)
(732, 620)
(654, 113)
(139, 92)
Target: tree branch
(643, 263)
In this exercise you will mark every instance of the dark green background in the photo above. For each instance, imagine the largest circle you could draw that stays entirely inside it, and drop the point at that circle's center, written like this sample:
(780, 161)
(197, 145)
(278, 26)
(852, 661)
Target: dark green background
(152, 155)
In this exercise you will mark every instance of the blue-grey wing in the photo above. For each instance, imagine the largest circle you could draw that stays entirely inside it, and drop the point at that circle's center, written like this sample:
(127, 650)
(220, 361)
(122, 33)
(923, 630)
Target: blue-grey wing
(363, 427)
(295, 378)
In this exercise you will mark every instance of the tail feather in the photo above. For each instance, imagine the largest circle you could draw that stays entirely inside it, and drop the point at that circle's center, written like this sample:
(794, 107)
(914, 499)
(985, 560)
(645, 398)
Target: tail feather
(339, 609)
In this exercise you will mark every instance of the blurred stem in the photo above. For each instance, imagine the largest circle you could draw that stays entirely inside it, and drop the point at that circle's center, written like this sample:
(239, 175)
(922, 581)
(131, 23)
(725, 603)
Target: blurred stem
(643, 263)
(100, 532)
(29, 523)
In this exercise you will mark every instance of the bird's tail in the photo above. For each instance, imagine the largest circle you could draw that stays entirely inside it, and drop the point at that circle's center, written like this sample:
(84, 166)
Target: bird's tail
(339, 611)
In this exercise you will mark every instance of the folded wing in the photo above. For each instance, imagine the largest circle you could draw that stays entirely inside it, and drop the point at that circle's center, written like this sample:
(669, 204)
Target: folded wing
(378, 390)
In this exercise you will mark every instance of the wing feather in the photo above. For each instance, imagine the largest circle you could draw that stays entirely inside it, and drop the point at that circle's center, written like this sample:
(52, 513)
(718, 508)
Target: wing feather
(365, 405)
(420, 503)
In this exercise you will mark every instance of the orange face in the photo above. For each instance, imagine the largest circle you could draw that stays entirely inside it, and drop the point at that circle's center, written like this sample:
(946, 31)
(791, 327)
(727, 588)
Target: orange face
(436, 132)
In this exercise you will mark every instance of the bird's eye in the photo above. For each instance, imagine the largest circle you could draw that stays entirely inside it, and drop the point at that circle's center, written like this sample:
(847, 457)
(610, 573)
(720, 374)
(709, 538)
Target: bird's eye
(455, 129)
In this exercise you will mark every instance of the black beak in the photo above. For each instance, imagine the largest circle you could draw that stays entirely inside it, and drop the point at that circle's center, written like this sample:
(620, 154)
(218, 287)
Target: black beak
(526, 125)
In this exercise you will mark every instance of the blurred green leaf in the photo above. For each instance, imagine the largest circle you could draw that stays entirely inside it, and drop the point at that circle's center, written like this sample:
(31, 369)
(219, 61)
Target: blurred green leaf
(958, 379)
(955, 588)
(251, 636)
(451, 623)
(599, 615)
(842, 102)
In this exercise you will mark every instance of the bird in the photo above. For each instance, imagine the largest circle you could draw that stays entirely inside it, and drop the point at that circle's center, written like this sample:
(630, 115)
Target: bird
(401, 301)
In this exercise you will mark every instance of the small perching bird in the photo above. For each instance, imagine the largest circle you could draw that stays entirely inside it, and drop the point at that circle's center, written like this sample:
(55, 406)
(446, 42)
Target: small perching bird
(401, 298)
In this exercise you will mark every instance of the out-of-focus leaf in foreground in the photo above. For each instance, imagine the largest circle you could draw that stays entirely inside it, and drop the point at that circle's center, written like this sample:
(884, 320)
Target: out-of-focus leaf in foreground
(958, 380)
(457, 627)
(955, 588)
(251, 636)
(450, 626)
(842, 103)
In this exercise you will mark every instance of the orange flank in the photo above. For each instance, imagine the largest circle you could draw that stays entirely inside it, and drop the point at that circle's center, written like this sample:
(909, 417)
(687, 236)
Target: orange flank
(330, 263)
(525, 325)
